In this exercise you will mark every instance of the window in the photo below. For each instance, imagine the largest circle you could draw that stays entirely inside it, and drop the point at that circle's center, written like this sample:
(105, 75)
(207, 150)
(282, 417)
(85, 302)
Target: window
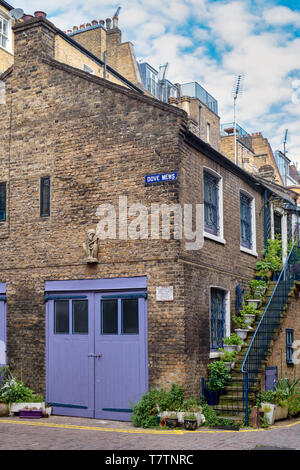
(208, 132)
(130, 316)
(289, 345)
(2, 202)
(217, 318)
(80, 317)
(61, 317)
(211, 203)
(109, 317)
(45, 197)
(4, 31)
(277, 224)
(246, 221)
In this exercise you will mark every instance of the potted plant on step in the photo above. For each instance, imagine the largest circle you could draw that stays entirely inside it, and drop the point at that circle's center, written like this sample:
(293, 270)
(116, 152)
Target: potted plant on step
(258, 289)
(218, 377)
(228, 358)
(233, 343)
(190, 422)
(242, 327)
(249, 313)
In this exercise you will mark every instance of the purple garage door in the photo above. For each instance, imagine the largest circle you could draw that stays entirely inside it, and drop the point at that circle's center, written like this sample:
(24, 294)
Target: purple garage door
(96, 353)
(2, 324)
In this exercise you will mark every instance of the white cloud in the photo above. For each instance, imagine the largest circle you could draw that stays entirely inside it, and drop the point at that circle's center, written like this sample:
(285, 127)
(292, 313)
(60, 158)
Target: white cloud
(281, 16)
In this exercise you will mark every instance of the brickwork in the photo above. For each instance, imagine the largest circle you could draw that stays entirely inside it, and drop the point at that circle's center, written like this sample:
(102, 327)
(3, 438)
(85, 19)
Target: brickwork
(278, 356)
(6, 57)
(245, 156)
(97, 141)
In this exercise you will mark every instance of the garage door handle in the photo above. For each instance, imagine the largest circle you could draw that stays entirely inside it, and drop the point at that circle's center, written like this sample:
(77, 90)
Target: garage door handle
(96, 356)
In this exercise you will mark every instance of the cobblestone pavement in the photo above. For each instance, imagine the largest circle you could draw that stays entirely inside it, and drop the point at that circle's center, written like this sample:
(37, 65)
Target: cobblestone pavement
(65, 433)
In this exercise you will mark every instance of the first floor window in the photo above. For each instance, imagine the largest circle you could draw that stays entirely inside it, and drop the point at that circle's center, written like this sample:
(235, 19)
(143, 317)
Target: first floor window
(289, 345)
(45, 197)
(246, 220)
(2, 202)
(211, 203)
(4, 25)
(217, 318)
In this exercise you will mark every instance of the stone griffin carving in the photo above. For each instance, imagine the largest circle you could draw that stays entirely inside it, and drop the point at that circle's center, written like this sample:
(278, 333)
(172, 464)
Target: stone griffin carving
(90, 247)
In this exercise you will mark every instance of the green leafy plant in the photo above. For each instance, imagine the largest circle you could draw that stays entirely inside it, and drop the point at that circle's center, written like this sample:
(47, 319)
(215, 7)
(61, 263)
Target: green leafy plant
(257, 288)
(211, 418)
(190, 405)
(14, 391)
(293, 403)
(218, 375)
(248, 310)
(273, 254)
(191, 417)
(146, 410)
(172, 415)
(240, 322)
(264, 422)
(228, 356)
(233, 339)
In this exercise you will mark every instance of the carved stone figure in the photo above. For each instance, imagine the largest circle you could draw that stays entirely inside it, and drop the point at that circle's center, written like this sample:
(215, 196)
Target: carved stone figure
(91, 247)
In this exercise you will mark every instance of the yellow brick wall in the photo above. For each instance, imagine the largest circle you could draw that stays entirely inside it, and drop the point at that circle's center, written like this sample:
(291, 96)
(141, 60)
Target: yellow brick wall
(6, 58)
(68, 54)
(245, 157)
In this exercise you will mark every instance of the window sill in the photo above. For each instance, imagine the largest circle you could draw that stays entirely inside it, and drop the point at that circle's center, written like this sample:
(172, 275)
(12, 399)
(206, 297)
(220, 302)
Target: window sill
(215, 238)
(248, 251)
(214, 355)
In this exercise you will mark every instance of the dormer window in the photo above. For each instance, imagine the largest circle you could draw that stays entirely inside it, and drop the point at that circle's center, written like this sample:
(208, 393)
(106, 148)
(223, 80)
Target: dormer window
(4, 33)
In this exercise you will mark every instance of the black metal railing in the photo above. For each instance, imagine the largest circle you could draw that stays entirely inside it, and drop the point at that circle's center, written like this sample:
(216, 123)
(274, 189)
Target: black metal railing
(269, 322)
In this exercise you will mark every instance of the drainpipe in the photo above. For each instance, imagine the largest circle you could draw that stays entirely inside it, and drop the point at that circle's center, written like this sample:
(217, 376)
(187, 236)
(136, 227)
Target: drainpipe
(266, 217)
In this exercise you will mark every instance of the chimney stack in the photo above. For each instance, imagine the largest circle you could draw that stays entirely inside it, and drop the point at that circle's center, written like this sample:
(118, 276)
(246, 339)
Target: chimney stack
(115, 22)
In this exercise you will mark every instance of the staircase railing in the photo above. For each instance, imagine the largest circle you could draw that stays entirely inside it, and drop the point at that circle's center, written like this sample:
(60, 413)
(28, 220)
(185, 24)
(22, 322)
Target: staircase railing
(268, 323)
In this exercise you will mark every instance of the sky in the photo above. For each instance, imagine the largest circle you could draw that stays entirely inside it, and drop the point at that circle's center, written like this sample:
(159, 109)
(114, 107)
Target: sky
(211, 42)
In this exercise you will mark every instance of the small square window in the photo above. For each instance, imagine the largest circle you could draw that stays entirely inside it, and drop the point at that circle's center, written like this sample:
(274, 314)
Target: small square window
(109, 317)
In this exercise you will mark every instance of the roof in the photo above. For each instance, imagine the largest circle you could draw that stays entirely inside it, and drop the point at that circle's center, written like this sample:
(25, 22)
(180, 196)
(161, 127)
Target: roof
(6, 5)
(218, 157)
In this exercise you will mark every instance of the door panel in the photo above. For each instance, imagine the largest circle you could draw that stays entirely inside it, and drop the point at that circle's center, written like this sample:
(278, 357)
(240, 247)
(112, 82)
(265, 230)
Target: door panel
(120, 370)
(70, 369)
(2, 333)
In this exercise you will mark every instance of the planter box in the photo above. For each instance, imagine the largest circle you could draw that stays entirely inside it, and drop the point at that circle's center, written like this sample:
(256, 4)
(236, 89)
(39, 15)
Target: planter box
(281, 412)
(241, 333)
(249, 319)
(254, 302)
(232, 347)
(181, 414)
(16, 407)
(30, 414)
(271, 414)
(229, 365)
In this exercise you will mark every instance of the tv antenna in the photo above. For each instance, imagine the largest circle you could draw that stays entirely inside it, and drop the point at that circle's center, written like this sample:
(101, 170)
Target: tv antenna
(118, 11)
(285, 151)
(237, 90)
(16, 13)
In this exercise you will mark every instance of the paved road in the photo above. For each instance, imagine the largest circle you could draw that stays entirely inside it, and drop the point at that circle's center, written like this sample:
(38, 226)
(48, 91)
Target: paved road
(86, 434)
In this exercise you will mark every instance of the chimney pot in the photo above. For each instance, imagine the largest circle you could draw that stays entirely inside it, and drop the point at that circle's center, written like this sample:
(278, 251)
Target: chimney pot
(88, 25)
(82, 26)
(108, 23)
(115, 21)
(69, 31)
(40, 13)
(75, 28)
(27, 17)
(94, 22)
(102, 22)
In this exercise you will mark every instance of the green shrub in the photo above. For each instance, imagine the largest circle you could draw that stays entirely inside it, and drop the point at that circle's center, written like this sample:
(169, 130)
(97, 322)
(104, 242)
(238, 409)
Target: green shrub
(157, 400)
(211, 418)
(293, 403)
(218, 375)
(233, 339)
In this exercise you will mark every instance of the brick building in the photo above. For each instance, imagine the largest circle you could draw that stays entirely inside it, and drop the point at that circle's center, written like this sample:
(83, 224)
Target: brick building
(93, 336)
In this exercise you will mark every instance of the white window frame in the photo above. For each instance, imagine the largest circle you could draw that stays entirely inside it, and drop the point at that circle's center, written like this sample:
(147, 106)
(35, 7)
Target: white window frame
(216, 354)
(252, 251)
(217, 238)
(6, 18)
